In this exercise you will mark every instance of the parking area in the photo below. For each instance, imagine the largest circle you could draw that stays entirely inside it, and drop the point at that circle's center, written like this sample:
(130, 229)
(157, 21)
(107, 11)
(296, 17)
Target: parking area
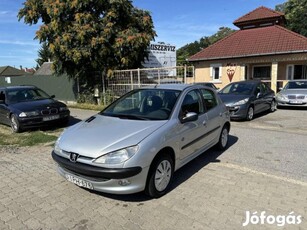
(263, 170)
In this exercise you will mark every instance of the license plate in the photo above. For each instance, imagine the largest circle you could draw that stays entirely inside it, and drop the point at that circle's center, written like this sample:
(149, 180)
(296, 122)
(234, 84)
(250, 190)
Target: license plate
(295, 102)
(79, 182)
(50, 118)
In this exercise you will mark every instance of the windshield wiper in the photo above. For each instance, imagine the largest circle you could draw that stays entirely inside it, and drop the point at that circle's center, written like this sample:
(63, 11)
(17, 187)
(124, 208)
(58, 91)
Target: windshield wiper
(126, 116)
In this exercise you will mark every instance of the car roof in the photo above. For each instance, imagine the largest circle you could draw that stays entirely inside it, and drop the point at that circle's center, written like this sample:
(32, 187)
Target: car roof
(18, 87)
(297, 80)
(179, 87)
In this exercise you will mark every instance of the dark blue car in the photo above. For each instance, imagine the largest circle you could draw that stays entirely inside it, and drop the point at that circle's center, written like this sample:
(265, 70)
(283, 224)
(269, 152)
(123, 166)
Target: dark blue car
(244, 99)
(24, 107)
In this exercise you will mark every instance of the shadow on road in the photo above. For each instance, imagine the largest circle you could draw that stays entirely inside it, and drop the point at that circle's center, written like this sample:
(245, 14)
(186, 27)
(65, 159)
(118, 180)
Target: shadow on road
(181, 175)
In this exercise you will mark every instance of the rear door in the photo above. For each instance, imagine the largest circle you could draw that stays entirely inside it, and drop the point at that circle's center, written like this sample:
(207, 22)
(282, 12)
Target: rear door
(214, 114)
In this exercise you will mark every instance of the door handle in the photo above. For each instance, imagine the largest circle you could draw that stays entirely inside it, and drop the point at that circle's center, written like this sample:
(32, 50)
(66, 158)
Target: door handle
(204, 123)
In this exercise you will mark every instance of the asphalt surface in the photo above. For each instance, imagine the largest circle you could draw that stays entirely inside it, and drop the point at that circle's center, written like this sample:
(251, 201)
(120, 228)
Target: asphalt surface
(263, 170)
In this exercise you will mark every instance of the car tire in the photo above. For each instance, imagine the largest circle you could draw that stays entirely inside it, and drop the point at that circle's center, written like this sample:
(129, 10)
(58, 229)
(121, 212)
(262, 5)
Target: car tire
(223, 140)
(250, 113)
(15, 126)
(273, 106)
(160, 176)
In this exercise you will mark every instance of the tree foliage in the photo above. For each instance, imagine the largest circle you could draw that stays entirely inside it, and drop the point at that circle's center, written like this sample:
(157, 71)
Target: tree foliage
(192, 48)
(91, 35)
(296, 15)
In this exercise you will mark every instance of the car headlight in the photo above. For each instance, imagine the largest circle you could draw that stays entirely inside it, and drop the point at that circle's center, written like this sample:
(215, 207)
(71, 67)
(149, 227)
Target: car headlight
(57, 148)
(241, 102)
(280, 96)
(117, 157)
(29, 114)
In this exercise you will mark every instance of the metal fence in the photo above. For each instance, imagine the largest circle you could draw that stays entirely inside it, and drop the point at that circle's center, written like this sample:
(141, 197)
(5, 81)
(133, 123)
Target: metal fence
(123, 81)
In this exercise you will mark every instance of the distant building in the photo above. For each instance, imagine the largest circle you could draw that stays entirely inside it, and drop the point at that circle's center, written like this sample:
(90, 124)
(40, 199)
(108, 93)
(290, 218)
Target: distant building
(45, 69)
(262, 49)
(8, 71)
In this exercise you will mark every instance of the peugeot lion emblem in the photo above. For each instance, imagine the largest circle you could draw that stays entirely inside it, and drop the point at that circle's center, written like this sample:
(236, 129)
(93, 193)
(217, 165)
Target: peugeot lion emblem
(73, 157)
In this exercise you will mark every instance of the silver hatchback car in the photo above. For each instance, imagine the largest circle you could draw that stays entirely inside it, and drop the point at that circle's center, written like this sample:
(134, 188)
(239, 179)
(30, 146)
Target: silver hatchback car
(139, 141)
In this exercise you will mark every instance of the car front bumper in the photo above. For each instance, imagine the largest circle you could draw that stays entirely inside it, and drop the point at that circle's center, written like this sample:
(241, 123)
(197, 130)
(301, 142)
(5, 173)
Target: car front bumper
(33, 122)
(238, 112)
(107, 180)
(288, 103)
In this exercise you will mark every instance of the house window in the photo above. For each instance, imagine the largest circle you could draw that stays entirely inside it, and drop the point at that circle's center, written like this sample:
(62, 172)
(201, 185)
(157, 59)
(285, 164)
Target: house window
(215, 72)
(262, 72)
(290, 72)
(296, 72)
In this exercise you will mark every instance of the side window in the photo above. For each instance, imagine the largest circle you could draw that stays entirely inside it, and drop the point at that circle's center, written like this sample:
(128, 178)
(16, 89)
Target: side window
(192, 103)
(209, 98)
(258, 90)
(265, 88)
(2, 96)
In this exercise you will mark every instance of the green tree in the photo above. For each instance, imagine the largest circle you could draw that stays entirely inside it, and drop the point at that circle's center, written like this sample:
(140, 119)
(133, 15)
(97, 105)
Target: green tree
(84, 36)
(44, 54)
(192, 48)
(296, 15)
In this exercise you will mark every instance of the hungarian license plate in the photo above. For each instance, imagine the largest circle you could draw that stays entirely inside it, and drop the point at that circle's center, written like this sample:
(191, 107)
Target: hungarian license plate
(50, 118)
(78, 181)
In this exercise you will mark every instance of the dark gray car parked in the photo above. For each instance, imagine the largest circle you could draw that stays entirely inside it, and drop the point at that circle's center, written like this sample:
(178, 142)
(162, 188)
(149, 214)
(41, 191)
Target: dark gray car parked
(244, 99)
(24, 107)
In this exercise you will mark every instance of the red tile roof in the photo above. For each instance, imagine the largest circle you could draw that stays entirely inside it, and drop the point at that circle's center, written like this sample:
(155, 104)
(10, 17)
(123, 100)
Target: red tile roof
(259, 13)
(254, 42)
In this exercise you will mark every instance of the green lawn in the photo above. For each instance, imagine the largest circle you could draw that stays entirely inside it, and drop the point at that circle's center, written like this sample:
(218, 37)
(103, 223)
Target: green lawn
(28, 138)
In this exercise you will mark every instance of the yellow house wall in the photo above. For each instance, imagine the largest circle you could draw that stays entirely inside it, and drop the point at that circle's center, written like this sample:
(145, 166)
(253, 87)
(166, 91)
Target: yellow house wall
(280, 62)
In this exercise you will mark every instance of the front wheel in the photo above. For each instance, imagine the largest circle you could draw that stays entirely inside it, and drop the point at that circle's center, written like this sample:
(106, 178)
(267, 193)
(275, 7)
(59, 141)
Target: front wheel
(15, 126)
(160, 176)
(250, 113)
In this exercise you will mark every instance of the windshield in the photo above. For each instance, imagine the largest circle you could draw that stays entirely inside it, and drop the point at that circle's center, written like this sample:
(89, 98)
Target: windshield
(25, 94)
(144, 104)
(238, 88)
(296, 85)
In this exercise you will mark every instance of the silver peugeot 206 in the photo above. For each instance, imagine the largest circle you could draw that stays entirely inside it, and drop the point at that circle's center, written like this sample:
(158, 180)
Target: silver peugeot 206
(139, 141)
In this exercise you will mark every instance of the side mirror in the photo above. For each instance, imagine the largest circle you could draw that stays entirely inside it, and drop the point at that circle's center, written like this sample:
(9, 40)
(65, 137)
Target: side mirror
(191, 116)
(259, 95)
(52, 96)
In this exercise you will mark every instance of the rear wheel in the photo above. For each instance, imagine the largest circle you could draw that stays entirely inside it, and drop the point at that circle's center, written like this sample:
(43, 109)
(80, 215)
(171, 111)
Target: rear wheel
(250, 113)
(273, 106)
(15, 126)
(160, 176)
(223, 141)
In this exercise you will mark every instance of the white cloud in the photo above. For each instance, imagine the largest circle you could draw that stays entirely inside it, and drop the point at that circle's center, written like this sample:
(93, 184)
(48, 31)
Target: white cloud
(21, 43)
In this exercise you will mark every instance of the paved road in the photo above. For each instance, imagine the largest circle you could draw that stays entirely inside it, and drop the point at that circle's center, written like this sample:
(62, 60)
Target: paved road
(212, 192)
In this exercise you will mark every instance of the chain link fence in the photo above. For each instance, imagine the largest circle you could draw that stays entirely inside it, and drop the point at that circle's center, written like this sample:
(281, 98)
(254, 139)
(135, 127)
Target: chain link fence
(123, 81)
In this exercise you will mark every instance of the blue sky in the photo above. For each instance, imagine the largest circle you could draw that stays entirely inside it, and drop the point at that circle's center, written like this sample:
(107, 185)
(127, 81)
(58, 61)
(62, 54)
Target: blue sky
(177, 22)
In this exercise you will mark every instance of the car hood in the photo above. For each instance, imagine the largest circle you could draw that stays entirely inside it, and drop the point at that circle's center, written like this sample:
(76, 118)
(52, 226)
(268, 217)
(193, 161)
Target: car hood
(294, 91)
(26, 106)
(229, 99)
(102, 134)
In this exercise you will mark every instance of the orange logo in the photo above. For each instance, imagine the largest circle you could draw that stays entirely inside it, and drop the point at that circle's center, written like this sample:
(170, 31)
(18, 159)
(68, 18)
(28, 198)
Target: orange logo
(231, 69)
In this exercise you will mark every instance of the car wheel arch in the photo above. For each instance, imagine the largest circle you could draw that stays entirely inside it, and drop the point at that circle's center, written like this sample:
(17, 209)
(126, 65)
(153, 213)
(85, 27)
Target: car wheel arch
(166, 150)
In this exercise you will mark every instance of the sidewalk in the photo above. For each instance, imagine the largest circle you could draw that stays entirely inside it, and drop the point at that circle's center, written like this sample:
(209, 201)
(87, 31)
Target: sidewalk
(214, 196)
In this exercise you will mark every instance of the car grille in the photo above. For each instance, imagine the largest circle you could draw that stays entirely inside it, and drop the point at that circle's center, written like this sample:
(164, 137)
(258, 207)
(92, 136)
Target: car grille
(291, 97)
(49, 111)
